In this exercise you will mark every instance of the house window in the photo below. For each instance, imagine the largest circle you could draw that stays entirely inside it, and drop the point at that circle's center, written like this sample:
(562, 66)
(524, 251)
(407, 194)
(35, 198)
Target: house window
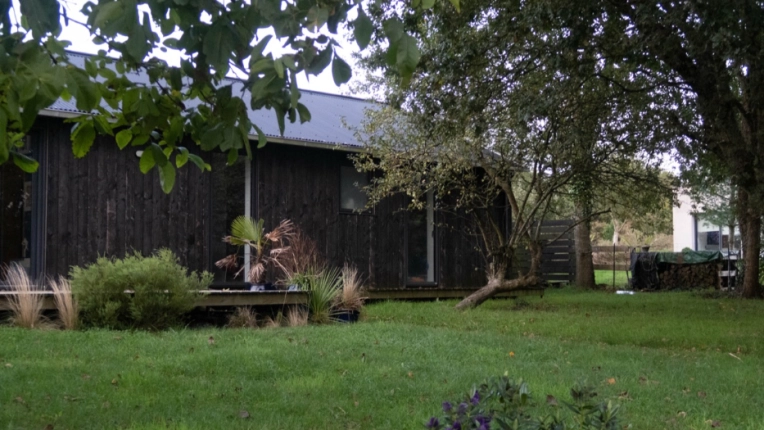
(420, 244)
(352, 196)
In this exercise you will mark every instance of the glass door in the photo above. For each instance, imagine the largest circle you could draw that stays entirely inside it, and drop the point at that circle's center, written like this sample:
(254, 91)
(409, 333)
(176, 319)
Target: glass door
(420, 244)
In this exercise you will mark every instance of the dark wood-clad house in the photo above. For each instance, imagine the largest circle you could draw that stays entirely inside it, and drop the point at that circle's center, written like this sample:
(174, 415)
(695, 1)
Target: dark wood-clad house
(73, 210)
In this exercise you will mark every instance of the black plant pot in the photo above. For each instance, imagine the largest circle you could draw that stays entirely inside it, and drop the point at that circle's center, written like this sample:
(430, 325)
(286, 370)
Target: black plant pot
(346, 316)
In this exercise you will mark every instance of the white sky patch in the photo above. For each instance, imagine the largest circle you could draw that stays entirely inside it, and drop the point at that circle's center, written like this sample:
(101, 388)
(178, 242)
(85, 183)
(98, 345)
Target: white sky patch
(82, 42)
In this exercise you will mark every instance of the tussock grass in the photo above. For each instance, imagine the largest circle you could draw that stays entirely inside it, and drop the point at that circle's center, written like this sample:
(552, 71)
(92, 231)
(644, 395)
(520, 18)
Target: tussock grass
(25, 305)
(297, 317)
(68, 311)
(242, 317)
(351, 297)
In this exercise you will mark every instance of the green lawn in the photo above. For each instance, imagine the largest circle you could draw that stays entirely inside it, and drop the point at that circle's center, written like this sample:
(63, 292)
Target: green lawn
(668, 355)
(606, 277)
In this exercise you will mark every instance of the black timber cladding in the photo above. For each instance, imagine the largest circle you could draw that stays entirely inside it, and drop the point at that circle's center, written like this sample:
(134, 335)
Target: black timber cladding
(102, 205)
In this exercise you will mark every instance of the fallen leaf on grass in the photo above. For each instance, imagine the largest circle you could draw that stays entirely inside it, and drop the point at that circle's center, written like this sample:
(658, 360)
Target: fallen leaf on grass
(411, 374)
(682, 414)
(114, 381)
(714, 423)
(243, 414)
(702, 394)
(611, 381)
(551, 400)
(8, 365)
(624, 395)
(511, 354)
(48, 427)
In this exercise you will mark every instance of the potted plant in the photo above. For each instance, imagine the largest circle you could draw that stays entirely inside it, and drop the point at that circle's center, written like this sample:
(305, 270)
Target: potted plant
(265, 248)
(349, 301)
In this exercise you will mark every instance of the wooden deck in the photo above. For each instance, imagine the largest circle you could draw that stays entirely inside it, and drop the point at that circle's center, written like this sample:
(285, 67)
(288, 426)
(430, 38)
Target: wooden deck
(228, 298)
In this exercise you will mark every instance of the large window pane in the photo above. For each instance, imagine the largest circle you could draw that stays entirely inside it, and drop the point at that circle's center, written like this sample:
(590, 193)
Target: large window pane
(352, 197)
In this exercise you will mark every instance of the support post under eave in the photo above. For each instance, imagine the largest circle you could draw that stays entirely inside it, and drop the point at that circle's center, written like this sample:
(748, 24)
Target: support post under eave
(247, 211)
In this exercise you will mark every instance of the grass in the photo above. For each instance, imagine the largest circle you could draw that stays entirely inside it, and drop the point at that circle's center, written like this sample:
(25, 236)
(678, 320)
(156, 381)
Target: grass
(25, 306)
(666, 357)
(606, 277)
(68, 311)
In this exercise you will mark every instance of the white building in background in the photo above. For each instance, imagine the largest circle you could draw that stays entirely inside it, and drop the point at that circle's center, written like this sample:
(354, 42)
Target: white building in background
(692, 231)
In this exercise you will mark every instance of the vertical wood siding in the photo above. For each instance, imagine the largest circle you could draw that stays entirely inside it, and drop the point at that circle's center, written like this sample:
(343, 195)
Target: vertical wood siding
(103, 205)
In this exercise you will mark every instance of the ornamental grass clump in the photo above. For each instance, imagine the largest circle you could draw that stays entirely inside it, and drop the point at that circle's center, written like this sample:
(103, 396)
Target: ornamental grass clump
(26, 304)
(323, 291)
(68, 311)
(351, 297)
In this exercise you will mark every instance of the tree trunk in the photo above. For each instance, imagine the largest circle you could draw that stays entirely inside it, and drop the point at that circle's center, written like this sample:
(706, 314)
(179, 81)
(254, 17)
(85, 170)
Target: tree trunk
(750, 232)
(496, 286)
(584, 263)
(751, 249)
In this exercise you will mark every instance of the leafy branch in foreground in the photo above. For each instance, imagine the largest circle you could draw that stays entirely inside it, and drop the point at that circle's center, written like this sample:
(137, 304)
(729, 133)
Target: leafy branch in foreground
(211, 39)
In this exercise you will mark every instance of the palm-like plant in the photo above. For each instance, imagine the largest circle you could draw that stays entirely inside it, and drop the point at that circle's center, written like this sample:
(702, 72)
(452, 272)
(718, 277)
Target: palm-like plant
(265, 247)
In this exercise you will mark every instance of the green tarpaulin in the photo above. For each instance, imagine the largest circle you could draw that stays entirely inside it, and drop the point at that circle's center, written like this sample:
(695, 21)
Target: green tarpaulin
(688, 257)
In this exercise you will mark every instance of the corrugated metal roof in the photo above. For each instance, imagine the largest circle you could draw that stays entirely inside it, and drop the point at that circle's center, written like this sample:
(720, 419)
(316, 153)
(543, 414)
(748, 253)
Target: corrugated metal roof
(325, 127)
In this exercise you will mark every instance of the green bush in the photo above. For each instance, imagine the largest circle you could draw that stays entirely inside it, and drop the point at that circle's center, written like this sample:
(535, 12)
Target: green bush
(162, 289)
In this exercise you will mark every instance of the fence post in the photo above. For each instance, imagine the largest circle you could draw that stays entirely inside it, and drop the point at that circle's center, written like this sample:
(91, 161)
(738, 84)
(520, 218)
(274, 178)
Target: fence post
(614, 265)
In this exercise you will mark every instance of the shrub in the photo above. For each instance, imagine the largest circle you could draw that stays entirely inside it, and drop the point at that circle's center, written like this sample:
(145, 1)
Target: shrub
(501, 403)
(25, 305)
(162, 291)
(68, 311)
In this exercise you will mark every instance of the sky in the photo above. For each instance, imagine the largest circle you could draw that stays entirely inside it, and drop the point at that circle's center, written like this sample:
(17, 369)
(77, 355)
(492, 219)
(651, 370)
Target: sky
(81, 42)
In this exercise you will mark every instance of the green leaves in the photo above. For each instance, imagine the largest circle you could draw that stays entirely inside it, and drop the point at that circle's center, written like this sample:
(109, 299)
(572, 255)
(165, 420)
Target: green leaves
(24, 163)
(123, 138)
(407, 55)
(362, 29)
(341, 72)
(393, 29)
(42, 16)
(218, 44)
(83, 135)
(403, 51)
(82, 88)
(167, 177)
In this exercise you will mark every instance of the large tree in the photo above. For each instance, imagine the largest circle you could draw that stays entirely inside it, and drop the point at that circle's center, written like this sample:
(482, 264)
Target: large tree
(491, 96)
(700, 63)
(710, 56)
(211, 39)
